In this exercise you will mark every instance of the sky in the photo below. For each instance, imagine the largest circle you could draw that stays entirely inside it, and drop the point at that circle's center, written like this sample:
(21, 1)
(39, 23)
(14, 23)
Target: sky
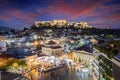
(23, 13)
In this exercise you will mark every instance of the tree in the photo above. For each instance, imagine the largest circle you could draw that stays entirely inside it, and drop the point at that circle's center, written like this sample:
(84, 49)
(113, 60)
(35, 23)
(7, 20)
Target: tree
(13, 44)
(33, 27)
(12, 31)
(22, 63)
(13, 63)
(39, 47)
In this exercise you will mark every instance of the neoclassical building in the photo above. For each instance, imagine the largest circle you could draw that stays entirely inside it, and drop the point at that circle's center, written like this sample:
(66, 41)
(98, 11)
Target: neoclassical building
(52, 48)
(83, 56)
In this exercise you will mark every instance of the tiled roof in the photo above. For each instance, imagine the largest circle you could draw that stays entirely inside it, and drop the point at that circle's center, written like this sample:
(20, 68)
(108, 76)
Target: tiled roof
(51, 42)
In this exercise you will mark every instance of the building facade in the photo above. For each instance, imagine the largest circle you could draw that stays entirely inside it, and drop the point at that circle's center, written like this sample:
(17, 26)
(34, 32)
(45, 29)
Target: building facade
(57, 50)
(95, 63)
(32, 59)
(52, 48)
(105, 67)
(59, 22)
(82, 56)
(3, 46)
(116, 67)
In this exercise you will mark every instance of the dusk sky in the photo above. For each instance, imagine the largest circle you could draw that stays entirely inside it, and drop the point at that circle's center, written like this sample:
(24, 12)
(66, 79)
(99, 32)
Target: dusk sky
(23, 13)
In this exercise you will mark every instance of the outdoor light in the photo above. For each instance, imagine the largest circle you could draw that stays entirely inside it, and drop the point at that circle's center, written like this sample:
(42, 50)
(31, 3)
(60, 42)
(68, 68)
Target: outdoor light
(28, 44)
(35, 36)
(36, 43)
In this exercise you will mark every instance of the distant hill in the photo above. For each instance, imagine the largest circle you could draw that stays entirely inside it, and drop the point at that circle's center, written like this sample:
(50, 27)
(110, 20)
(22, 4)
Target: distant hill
(3, 28)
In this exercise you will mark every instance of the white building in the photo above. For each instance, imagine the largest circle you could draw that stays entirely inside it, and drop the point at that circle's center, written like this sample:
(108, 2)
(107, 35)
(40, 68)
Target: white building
(52, 48)
(3, 46)
(95, 63)
(57, 50)
(83, 56)
(32, 59)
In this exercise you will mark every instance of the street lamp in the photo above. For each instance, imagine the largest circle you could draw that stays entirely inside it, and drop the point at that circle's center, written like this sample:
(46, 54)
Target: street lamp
(36, 43)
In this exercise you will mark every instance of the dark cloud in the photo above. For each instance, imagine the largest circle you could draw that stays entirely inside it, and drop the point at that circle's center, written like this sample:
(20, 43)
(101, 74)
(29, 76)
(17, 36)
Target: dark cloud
(25, 12)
